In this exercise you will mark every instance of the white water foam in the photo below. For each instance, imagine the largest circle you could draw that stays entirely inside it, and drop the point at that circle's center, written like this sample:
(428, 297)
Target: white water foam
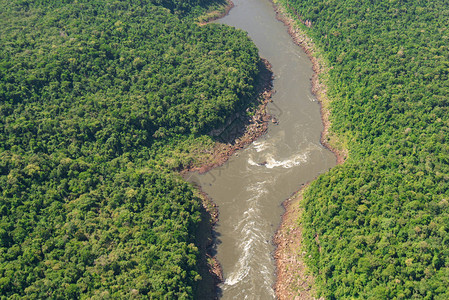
(253, 244)
(248, 228)
(251, 161)
(295, 160)
(260, 146)
(270, 162)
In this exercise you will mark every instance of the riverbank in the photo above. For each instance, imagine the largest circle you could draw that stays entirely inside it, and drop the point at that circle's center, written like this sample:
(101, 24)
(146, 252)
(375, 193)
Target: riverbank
(216, 14)
(208, 266)
(294, 281)
(241, 130)
(293, 278)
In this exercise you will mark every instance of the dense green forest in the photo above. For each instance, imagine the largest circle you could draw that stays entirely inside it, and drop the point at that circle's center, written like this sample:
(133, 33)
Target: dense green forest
(99, 102)
(377, 227)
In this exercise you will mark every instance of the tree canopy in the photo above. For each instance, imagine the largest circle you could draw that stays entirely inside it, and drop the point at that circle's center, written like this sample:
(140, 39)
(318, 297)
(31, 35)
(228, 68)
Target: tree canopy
(99, 102)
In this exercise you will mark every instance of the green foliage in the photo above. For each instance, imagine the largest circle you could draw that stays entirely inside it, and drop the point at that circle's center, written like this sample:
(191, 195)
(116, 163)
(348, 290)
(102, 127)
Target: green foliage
(84, 230)
(99, 102)
(377, 226)
(185, 8)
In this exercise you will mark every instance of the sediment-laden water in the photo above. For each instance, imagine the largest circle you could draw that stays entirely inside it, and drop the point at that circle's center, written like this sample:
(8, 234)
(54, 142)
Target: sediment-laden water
(251, 186)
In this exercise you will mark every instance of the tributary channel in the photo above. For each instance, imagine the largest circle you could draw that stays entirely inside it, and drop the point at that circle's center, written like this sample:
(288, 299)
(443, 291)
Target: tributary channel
(250, 188)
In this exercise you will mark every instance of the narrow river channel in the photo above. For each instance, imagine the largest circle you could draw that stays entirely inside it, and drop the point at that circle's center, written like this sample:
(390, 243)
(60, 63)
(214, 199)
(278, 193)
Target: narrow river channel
(250, 188)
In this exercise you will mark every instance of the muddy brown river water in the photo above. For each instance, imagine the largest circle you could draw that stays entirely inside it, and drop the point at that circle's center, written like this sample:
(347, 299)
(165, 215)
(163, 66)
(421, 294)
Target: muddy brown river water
(250, 188)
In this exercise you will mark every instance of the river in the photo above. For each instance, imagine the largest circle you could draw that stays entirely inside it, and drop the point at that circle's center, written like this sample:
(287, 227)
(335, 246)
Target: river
(250, 188)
